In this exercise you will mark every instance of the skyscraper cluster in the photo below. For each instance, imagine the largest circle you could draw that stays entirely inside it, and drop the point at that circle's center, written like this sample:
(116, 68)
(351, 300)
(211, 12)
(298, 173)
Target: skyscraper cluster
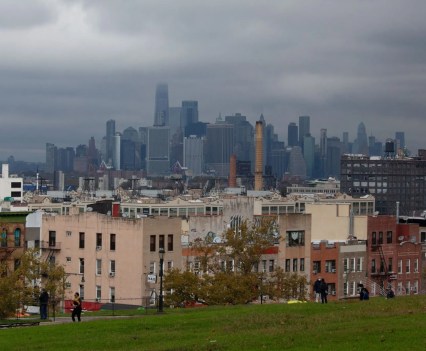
(178, 137)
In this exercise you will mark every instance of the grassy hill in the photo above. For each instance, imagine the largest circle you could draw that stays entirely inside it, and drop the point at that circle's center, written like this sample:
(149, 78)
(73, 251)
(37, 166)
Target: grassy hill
(377, 324)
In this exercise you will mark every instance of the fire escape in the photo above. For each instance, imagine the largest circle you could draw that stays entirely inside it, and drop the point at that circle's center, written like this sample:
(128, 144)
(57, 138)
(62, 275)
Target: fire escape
(382, 274)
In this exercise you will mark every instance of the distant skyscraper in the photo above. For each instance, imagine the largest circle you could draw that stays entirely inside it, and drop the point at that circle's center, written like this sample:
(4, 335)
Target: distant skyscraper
(161, 114)
(193, 155)
(297, 165)
(188, 113)
(158, 151)
(323, 152)
(116, 155)
(309, 155)
(110, 133)
(400, 140)
(334, 154)
(304, 128)
(51, 157)
(292, 134)
(174, 119)
(361, 140)
(219, 147)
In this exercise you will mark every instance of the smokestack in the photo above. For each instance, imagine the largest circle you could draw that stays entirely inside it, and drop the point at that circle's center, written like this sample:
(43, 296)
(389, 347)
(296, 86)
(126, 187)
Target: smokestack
(232, 181)
(258, 169)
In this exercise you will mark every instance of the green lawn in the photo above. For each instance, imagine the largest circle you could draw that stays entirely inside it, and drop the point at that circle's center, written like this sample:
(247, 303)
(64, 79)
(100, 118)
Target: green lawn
(377, 324)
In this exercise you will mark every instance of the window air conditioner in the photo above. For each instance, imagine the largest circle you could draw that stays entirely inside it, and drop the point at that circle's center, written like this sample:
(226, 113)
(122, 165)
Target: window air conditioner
(112, 274)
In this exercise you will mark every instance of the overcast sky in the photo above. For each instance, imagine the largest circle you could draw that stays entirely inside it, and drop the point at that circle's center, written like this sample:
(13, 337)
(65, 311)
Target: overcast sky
(66, 67)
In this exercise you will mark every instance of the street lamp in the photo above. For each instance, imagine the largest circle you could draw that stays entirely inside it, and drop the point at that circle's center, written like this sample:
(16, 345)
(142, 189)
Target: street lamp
(160, 301)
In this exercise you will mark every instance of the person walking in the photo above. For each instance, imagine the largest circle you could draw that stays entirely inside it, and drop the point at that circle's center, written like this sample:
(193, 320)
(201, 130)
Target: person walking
(317, 290)
(44, 301)
(323, 291)
(76, 312)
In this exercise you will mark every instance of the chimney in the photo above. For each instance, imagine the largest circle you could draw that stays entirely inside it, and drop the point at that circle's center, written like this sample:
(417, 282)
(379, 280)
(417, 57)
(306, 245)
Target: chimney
(232, 182)
(258, 169)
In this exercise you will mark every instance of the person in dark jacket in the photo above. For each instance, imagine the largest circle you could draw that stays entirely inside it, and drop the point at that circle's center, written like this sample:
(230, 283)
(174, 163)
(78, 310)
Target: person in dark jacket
(44, 301)
(323, 291)
(76, 312)
(317, 290)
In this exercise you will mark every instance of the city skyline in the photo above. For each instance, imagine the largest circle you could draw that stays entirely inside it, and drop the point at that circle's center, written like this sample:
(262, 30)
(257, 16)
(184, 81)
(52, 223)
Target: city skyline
(68, 67)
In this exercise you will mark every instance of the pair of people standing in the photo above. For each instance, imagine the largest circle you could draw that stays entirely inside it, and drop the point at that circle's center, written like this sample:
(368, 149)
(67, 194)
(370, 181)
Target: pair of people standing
(320, 290)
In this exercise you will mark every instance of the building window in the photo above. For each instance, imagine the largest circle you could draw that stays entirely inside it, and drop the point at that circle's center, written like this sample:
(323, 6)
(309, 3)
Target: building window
(112, 294)
(152, 267)
(112, 266)
(81, 240)
(380, 238)
(373, 238)
(346, 265)
(423, 237)
(294, 264)
(359, 264)
(295, 238)
(68, 233)
(169, 265)
(68, 259)
(302, 264)
(330, 266)
(317, 267)
(81, 267)
(399, 266)
(98, 267)
(82, 291)
(161, 241)
(287, 265)
(271, 265)
(98, 293)
(170, 242)
(415, 287)
(264, 266)
(4, 238)
(17, 235)
(416, 265)
(112, 238)
(390, 264)
(373, 266)
(98, 241)
(352, 264)
(52, 238)
(389, 237)
(152, 245)
(407, 266)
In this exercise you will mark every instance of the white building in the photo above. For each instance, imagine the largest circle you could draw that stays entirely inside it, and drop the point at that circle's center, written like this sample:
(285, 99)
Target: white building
(11, 187)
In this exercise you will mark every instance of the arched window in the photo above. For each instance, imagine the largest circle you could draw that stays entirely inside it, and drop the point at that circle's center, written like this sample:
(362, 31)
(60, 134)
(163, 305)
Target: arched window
(17, 235)
(3, 238)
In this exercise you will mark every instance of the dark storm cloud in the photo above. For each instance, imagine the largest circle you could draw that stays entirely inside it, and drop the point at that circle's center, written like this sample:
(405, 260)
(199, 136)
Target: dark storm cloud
(69, 66)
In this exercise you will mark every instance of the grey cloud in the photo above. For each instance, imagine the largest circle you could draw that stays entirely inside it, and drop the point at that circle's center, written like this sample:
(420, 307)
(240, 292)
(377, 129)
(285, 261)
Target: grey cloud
(340, 62)
(25, 14)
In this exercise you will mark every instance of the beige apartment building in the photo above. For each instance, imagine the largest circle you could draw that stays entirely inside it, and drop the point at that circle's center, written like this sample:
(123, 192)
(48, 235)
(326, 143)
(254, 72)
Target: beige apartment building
(111, 259)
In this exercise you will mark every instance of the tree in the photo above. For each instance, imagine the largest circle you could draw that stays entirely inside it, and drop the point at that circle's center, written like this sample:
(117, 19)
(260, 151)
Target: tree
(227, 274)
(287, 285)
(20, 287)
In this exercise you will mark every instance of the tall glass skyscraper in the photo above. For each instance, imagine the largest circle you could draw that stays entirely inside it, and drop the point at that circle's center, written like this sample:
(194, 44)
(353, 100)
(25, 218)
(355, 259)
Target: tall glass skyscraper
(304, 128)
(161, 113)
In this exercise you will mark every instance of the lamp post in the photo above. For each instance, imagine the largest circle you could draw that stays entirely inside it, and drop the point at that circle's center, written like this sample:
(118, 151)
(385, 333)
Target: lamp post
(160, 301)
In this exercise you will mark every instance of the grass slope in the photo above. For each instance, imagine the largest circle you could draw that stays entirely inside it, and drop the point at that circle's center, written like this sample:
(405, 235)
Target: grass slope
(378, 324)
